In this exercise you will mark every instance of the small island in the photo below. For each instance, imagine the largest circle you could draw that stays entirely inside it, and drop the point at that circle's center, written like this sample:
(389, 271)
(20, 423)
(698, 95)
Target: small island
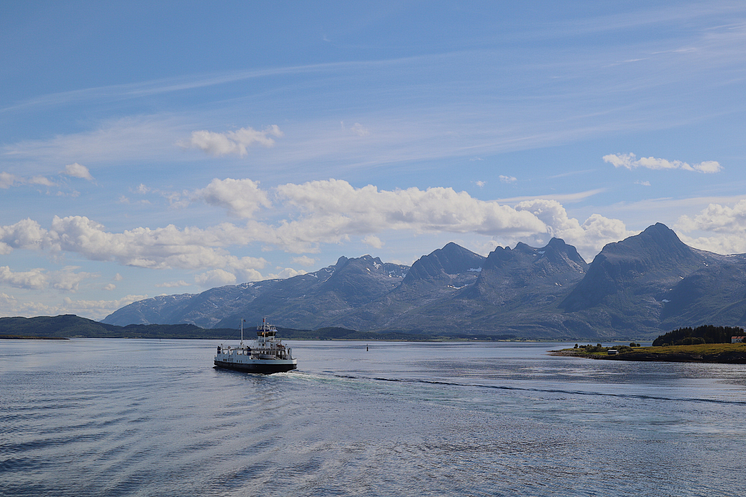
(706, 344)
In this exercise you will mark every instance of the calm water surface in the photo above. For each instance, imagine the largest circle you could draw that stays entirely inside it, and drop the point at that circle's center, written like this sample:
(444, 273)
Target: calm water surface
(146, 417)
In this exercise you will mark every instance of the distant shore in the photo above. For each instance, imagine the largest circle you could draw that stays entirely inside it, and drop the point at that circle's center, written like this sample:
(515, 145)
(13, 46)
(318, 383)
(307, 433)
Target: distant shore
(19, 337)
(720, 353)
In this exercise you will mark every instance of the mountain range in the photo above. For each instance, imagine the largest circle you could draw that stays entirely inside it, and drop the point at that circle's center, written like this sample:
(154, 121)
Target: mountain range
(636, 288)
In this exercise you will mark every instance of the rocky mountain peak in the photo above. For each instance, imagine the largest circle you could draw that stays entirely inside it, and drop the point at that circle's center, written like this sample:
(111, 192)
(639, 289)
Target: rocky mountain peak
(452, 259)
(655, 258)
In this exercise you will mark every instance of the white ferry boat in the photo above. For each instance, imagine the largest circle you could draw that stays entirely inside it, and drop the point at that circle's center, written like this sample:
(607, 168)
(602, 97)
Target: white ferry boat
(266, 355)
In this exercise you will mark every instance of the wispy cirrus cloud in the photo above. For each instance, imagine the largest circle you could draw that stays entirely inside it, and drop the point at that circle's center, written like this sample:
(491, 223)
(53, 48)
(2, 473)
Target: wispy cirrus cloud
(172, 284)
(630, 161)
(8, 180)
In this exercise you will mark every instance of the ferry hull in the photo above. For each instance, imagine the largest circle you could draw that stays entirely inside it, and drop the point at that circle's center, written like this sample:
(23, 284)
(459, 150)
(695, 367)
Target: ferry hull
(259, 366)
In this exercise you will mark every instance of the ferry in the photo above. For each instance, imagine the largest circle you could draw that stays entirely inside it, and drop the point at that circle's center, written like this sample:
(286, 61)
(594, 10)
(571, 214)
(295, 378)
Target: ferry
(266, 355)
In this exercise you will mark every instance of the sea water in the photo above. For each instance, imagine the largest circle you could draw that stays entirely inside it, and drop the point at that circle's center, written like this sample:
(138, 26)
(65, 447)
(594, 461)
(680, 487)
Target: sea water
(89, 417)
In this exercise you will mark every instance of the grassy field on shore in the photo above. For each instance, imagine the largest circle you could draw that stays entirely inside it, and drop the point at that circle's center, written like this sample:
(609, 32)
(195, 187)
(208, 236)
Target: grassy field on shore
(706, 352)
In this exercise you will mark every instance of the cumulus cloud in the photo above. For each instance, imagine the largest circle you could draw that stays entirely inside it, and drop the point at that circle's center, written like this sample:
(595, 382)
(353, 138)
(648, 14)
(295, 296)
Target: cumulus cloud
(241, 197)
(77, 171)
(34, 279)
(25, 234)
(508, 179)
(717, 218)
(216, 277)
(37, 279)
(11, 306)
(589, 237)
(334, 208)
(160, 248)
(320, 212)
(630, 161)
(717, 228)
(94, 309)
(304, 260)
(285, 273)
(233, 142)
(68, 280)
(373, 241)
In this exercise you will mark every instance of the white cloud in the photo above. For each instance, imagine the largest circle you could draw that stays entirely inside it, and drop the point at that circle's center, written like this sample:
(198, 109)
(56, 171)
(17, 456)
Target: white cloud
(589, 238)
(720, 243)
(241, 197)
(334, 209)
(216, 277)
(304, 261)
(233, 142)
(7, 180)
(34, 279)
(287, 272)
(481, 183)
(93, 309)
(320, 212)
(11, 306)
(630, 161)
(508, 179)
(709, 166)
(109, 287)
(68, 279)
(717, 218)
(77, 171)
(41, 180)
(373, 241)
(643, 183)
(25, 234)
(160, 248)
(718, 228)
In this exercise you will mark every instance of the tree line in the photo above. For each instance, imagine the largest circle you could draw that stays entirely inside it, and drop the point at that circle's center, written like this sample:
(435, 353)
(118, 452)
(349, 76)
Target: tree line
(701, 334)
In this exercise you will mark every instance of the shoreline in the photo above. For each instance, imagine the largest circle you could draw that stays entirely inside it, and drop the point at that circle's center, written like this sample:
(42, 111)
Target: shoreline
(22, 337)
(713, 353)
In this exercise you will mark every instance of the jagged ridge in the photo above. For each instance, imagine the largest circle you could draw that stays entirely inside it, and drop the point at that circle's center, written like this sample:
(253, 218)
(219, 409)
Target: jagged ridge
(633, 288)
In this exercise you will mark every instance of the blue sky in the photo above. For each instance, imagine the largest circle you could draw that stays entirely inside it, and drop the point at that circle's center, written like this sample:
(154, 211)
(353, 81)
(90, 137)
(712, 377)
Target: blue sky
(170, 147)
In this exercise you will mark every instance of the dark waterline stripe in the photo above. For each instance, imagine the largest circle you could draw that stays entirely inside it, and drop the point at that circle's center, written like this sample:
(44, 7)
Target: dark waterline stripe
(542, 390)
